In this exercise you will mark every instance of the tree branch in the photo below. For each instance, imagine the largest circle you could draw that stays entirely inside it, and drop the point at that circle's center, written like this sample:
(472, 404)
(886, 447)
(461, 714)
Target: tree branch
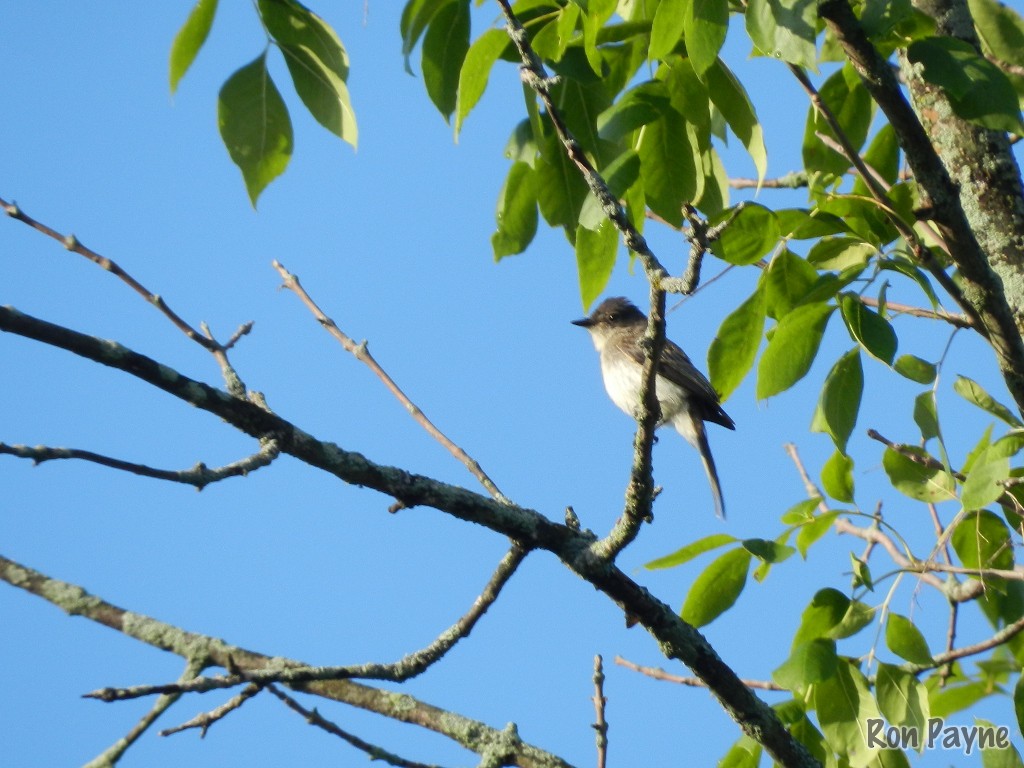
(677, 639)
(199, 476)
(362, 353)
(982, 288)
(208, 651)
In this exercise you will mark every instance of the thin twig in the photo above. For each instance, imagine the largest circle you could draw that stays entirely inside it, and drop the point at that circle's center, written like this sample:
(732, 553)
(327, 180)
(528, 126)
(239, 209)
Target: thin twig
(316, 719)
(600, 723)
(694, 682)
(960, 321)
(199, 476)
(404, 669)
(204, 720)
(205, 339)
(362, 353)
(641, 491)
(110, 756)
(73, 244)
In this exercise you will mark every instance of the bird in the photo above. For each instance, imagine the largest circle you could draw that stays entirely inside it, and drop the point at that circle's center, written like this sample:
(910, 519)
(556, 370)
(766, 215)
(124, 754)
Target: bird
(685, 396)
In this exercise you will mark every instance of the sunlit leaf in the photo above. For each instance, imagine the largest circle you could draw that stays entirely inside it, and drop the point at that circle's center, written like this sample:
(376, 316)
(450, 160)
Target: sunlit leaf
(872, 331)
(595, 258)
(792, 348)
(255, 126)
(974, 393)
(690, 551)
(476, 69)
(734, 348)
(840, 398)
(516, 215)
(837, 477)
(190, 39)
(717, 588)
(923, 479)
(905, 640)
(445, 45)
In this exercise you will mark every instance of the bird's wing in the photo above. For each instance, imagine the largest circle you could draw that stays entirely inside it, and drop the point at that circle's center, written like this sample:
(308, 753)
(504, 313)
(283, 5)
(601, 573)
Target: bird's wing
(675, 366)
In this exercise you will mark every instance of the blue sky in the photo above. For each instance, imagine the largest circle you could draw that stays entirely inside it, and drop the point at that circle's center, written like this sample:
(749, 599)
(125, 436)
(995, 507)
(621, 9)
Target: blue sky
(393, 241)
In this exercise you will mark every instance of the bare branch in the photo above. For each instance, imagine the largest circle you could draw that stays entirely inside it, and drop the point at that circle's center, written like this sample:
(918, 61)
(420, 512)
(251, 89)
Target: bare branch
(199, 476)
(73, 244)
(204, 720)
(694, 682)
(314, 718)
(600, 723)
(110, 756)
(362, 353)
(676, 638)
(209, 651)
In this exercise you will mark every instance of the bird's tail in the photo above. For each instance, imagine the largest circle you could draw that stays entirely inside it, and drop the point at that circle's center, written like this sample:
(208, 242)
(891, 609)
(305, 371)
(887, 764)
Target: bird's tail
(709, 468)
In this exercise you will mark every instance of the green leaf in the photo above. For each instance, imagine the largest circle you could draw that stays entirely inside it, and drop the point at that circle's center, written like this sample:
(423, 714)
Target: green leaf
(801, 224)
(808, 663)
(985, 479)
(292, 24)
(792, 348)
(255, 126)
(997, 755)
(717, 588)
(902, 698)
(690, 551)
(845, 704)
(822, 616)
(668, 166)
(705, 23)
(735, 346)
(977, 89)
(868, 328)
(837, 477)
(787, 281)
(812, 531)
(476, 69)
(784, 29)
(1000, 29)
(839, 253)
(926, 415)
(323, 92)
(944, 702)
(744, 753)
(444, 50)
(638, 106)
(751, 234)
(905, 640)
(982, 540)
(1018, 702)
(667, 27)
(516, 215)
(974, 393)
(595, 258)
(851, 104)
(190, 39)
(918, 480)
(415, 17)
(801, 512)
(561, 189)
(732, 101)
(861, 573)
(915, 369)
(839, 404)
(768, 551)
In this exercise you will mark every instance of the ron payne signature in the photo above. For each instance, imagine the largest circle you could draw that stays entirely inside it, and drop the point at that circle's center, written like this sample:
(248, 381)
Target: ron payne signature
(936, 735)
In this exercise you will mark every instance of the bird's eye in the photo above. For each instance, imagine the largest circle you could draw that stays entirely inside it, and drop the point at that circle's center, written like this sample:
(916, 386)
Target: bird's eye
(611, 317)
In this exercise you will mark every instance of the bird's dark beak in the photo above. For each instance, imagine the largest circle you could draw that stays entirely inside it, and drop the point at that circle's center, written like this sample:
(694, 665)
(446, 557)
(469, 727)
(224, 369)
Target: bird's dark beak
(583, 322)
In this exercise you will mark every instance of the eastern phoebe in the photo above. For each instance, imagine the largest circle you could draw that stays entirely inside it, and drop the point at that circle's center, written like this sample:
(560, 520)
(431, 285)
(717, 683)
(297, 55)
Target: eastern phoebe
(685, 396)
